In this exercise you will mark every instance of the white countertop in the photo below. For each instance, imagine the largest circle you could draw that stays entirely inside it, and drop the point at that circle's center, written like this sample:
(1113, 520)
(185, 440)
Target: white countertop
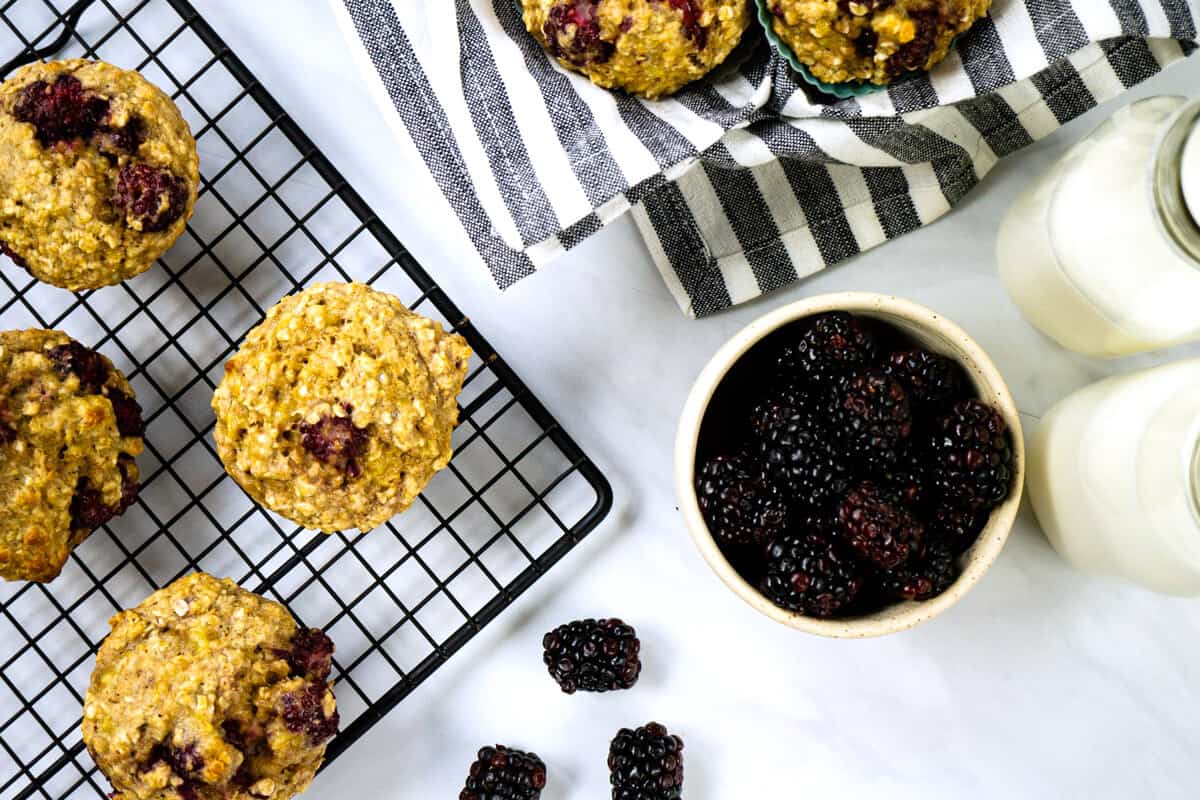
(1041, 683)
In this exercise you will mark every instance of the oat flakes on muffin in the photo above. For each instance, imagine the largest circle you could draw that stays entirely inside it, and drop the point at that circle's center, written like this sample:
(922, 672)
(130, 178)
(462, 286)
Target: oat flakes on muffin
(98, 173)
(206, 691)
(875, 41)
(338, 408)
(646, 47)
(70, 430)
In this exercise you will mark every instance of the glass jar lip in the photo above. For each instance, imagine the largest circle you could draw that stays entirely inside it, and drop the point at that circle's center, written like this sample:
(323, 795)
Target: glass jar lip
(1175, 178)
(1189, 169)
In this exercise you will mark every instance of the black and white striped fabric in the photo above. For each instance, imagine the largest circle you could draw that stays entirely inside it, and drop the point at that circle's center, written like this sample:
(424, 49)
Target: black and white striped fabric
(747, 181)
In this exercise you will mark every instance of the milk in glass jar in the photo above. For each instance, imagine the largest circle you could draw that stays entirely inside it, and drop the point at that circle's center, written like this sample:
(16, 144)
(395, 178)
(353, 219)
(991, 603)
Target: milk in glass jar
(1114, 477)
(1102, 254)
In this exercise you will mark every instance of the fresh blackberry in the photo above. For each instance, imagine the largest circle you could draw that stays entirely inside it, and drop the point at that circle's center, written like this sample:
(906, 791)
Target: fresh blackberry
(646, 764)
(834, 345)
(935, 572)
(799, 456)
(931, 380)
(958, 528)
(593, 655)
(501, 773)
(738, 502)
(971, 457)
(811, 574)
(877, 525)
(872, 416)
(910, 478)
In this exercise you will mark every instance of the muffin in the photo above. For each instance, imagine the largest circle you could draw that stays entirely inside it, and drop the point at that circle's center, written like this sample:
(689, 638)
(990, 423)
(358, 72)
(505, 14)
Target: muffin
(98, 173)
(874, 40)
(70, 429)
(338, 408)
(646, 47)
(206, 691)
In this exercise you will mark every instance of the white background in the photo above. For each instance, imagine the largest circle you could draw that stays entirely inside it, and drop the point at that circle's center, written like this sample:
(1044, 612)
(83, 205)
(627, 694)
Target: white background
(1041, 683)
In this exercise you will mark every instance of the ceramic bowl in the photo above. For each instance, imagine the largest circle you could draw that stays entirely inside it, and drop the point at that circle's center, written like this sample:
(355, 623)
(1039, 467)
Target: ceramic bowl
(931, 331)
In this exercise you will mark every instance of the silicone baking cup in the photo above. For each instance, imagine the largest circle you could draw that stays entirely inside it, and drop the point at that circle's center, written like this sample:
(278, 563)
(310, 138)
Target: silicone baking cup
(842, 91)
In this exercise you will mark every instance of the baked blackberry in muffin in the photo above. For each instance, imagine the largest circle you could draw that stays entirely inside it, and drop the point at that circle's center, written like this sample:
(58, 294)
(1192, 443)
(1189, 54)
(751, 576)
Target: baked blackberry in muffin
(70, 430)
(98, 173)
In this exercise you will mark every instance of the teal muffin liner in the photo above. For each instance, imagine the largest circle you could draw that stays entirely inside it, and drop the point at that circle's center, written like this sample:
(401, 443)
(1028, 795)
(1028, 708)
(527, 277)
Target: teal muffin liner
(842, 91)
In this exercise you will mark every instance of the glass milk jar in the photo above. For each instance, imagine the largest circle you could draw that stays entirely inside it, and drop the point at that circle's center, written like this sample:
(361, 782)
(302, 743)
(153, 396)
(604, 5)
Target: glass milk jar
(1102, 254)
(1114, 477)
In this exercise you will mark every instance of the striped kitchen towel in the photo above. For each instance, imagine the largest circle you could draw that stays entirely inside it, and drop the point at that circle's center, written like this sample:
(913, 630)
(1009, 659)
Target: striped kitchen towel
(747, 181)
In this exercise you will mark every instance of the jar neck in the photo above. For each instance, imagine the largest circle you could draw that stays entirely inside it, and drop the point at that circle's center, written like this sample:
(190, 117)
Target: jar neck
(1169, 196)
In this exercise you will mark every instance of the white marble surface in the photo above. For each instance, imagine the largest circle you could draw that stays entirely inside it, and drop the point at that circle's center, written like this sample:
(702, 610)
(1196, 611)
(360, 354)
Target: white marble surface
(1041, 683)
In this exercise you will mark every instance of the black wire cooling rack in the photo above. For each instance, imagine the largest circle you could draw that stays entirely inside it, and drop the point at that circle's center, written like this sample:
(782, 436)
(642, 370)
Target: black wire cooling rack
(273, 216)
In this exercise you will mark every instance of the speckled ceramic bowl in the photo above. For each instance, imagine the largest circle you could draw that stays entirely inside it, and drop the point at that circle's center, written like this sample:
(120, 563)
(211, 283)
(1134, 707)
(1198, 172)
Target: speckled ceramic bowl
(930, 330)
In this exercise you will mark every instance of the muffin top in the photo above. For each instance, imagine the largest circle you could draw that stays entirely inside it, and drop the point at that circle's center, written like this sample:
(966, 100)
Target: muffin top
(646, 47)
(206, 691)
(872, 40)
(98, 173)
(69, 431)
(339, 407)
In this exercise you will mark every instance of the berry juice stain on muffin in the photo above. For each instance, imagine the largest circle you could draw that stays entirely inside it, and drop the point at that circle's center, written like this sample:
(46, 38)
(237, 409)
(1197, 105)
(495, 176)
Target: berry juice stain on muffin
(207, 691)
(338, 409)
(70, 429)
(646, 47)
(98, 173)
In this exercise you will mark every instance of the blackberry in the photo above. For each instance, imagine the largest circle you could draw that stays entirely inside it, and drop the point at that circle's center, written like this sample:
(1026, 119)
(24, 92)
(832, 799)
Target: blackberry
(799, 457)
(914, 55)
(593, 655)
(82, 362)
(971, 457)
(502, 773)
(127, 412)
(311, 654)
(61, 111)
(336, 441)
(909, 478)
(740, 506)
(811, 574)
(958, 528)
(872, 417)
(935, 572)
(834, 345)
(646, 764)
(151, 198)
(572, 32)
(692, 13)
(878, 526)
(87, 508)
(303, 711)
(930, 379)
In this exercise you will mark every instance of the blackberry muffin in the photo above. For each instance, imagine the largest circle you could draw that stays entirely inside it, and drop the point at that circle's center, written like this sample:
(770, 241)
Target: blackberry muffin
(872, 40)
(98, 173)
(646, 47)
(338, 408)
(206, 691)
(70, 430)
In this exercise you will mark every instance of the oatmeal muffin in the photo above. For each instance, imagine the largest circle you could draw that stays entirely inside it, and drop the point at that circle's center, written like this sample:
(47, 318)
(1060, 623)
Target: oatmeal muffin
(646, 47)
(873, 40)
(338, 408)
(208, 692)
(98, 173)
(70, 430)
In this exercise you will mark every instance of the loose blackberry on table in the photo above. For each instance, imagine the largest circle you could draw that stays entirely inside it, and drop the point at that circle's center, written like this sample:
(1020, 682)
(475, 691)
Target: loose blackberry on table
(740, 505)
(593, 655)
(503, 773)
(646, 763)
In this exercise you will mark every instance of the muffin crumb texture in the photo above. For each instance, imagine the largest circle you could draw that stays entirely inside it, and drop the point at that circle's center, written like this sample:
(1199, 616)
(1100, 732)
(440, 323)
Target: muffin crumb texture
(98, 173)
(70, 431)
(206, 691)
(650, 48)
(876, 41)
(338, 409)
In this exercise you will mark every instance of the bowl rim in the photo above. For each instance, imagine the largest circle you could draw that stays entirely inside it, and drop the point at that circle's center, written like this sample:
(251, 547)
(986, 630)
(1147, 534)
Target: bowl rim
(942, 335)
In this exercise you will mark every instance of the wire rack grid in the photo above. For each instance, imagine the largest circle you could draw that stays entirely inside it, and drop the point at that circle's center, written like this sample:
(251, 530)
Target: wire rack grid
(273, 216)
